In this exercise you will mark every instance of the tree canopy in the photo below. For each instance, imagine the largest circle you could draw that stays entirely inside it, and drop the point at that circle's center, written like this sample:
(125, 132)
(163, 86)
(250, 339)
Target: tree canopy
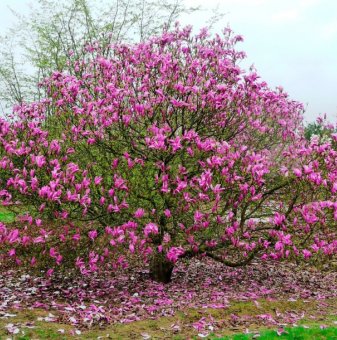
(164, 149)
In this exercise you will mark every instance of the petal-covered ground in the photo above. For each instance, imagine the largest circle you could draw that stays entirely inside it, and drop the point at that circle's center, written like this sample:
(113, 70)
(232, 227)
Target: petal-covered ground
(200, 285)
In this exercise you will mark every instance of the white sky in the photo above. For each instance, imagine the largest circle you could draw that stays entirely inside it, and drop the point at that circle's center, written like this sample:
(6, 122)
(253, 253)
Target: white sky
(292, 43)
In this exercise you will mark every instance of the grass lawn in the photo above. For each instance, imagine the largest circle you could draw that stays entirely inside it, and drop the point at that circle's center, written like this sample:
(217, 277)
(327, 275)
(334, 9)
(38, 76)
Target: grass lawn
(298, 333)
(6, 216)
(317, 325)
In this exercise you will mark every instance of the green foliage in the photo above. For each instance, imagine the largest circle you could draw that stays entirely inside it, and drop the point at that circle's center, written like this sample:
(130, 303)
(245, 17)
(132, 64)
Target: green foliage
(40, 42)
(316, 129)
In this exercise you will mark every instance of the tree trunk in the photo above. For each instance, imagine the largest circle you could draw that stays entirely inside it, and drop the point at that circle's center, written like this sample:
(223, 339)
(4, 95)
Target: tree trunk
(160, 268)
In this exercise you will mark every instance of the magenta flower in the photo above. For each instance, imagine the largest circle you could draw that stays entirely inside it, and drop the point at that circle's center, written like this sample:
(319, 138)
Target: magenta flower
(139, 213)
(167, 213)
(306, 254)
(40, 161)
(92, 234)
(98, 180)
(174, 253)
(298, 172)
(151, 228)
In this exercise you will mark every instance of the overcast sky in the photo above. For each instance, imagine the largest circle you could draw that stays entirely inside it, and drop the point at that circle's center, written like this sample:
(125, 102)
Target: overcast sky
(292, 43)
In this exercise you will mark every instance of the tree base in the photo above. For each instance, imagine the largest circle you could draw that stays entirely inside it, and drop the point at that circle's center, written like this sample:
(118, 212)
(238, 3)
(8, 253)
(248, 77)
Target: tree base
(160, 268)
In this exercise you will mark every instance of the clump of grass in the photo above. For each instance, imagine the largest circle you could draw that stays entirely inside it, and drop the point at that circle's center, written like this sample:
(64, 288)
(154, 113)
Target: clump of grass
(298, 333)
(7, 217)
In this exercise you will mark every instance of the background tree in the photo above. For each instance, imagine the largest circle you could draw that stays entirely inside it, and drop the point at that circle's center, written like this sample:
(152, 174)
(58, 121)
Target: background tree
(321, 128)
(41, 42)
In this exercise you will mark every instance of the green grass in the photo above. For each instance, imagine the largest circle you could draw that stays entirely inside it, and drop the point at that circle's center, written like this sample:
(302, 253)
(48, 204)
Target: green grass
(162, 328)
(298, 333)
(6, 217)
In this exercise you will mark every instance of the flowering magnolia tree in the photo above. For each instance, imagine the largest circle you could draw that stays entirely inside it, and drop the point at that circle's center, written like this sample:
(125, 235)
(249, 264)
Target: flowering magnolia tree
(166, 150)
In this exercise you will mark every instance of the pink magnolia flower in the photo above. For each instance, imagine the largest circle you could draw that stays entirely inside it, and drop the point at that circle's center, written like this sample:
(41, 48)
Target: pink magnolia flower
(167, 213)
(50, 272)
(79, 262)
(297, 172)
(13, 236)
(151, 228)
(176, 144)
(12, 252)
(279, 219)
(279, 246)
(53, 252)
(174, 253)
(40, 161)
(55, 146)
(315, 248)
(132, 248)
(166, 238)
(306, 254)
(139, 213)
(92, 234)
(59, 259)
(98, 180)
(76, 237)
